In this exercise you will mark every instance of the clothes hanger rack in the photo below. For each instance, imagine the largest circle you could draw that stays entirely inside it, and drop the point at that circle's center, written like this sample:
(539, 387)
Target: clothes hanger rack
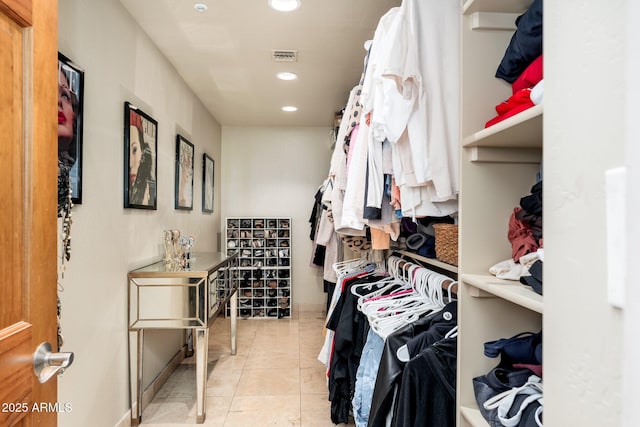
(404, 267)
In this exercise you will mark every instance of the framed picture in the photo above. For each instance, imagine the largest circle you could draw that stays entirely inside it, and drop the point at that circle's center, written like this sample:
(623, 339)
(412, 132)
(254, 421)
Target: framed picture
(207, 183)
(140, 159)
(184, 173)
(70, 101)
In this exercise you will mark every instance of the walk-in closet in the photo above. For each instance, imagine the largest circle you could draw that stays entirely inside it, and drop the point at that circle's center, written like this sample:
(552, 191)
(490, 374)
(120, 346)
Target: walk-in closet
(362, 213)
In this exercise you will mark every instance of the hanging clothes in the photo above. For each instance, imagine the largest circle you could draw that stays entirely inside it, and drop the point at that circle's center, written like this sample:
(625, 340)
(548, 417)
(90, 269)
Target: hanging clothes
(427, 395)
(424, 67)
(351, 328)
(390, 370)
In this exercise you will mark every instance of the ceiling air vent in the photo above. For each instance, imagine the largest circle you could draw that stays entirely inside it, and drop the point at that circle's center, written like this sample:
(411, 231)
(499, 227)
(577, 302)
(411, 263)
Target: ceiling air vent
(284, 55)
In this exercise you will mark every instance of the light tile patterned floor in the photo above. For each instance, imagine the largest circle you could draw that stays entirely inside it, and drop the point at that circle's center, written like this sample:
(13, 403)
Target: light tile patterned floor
(273, 380)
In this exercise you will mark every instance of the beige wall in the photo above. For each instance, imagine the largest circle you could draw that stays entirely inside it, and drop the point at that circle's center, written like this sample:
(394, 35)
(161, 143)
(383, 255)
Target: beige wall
(631, 353)
(584, 135)
(276, 172)
(121, 64)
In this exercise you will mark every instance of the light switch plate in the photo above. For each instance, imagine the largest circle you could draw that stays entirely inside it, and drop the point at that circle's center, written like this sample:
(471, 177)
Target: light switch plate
(616, 235)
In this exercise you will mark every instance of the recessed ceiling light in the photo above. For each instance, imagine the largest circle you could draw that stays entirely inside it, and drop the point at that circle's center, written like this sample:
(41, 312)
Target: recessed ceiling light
(285, 75)
(200, 7)
(289, 108)
(284, 5)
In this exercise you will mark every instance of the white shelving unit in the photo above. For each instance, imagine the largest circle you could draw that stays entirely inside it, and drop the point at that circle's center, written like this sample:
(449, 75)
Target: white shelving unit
(264, 265)
(498, 167)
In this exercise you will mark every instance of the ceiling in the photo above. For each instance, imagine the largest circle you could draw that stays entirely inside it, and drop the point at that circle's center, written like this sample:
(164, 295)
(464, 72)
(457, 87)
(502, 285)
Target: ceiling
(225, 54)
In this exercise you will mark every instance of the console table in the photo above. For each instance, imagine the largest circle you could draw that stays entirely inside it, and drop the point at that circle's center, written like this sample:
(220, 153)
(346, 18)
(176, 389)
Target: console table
(164, 296)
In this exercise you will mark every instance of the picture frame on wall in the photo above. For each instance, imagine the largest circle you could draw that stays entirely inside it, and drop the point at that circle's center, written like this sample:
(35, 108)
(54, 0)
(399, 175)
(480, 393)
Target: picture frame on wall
(208, 167)
(70, 118)
(140, 159)
(184, 173)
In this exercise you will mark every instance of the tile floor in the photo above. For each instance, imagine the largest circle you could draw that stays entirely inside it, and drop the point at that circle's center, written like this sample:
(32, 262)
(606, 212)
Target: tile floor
(273, 380)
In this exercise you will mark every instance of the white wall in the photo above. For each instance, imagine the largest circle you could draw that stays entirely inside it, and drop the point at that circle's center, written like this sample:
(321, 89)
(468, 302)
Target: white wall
(121, 64)
(584, 135)
(276, 172)
(631, 355)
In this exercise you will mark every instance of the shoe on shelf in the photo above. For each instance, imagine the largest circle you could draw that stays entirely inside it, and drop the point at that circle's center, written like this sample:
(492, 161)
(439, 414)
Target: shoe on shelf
(283, 313)
(272, 312)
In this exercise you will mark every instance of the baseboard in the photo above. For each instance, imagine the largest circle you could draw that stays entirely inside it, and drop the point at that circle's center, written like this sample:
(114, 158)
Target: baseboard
(162, 377)
(125, 421)
(156, 384)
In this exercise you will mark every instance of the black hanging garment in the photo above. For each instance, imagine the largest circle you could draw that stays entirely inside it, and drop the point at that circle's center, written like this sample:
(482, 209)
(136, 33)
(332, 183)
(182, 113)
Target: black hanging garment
(391, 368)
(427, 396)
(351, 328)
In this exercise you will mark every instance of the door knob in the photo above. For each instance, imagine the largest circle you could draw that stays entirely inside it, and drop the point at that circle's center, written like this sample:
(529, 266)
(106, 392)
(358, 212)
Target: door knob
(47, 364)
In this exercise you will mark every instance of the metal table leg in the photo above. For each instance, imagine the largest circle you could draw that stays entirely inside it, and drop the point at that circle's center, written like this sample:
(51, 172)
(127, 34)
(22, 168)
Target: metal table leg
(136, 386)
(234, 319)
(202, 351)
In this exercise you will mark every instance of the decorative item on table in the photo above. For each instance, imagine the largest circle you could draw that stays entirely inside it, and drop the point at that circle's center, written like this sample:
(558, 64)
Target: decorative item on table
(177, 249)
(186, 243)
(174, 248)
(169, 251)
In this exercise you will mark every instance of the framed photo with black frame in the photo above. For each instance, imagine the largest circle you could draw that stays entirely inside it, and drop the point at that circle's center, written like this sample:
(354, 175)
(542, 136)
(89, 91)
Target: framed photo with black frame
(140, 159)
(184, 173)
(70, 115)
(208, 165)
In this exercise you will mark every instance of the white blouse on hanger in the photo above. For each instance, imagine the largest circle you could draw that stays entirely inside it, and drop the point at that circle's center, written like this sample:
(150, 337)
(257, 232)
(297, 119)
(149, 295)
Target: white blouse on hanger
(424, 68)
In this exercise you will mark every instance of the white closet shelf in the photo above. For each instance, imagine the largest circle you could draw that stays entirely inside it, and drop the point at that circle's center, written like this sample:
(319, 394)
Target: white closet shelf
(524, 130)
(473, 417)
(494, 21)
(431, 261)
(514, 6)
(509, 290)
(505, 155)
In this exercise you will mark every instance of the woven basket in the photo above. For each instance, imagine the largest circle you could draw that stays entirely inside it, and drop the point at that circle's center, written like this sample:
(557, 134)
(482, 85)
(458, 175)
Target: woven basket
(447, 243)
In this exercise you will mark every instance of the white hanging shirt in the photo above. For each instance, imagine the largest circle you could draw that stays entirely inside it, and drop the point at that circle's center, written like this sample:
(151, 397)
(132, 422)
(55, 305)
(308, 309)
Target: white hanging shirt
(422, 94)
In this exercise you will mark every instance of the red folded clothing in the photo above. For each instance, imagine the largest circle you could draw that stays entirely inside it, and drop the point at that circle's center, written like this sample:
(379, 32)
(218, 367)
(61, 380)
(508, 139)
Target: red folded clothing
(521, 237)
(530, 77)
(518, 102)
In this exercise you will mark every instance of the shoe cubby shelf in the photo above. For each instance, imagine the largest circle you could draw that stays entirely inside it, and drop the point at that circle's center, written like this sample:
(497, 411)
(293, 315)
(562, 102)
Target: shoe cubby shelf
(263, 245)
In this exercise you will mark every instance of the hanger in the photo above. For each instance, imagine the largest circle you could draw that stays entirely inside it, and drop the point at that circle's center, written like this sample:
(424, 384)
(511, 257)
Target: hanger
(390, 314)
(350, 266)
(386, 315)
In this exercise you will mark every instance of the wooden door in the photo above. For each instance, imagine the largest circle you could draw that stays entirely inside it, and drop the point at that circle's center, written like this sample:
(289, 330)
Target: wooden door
(28, 173)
